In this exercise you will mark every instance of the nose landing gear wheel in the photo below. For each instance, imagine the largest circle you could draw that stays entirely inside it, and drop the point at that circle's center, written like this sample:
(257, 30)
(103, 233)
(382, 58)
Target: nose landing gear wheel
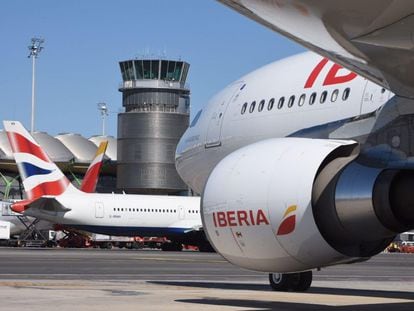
(298, 282)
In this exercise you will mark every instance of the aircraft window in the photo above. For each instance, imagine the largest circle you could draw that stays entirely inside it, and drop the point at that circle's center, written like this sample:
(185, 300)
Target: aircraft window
(334, 95)
(312, 98)
(195, 120)
(152, 210)
(122, 209)
(163, 210)
(291, 101)
(280, 103)
(244, 107)
(261, 105)
(243, 86)
(323, 97)
(175, 211)
(270, 104)
(382, 91)
(301, 100)
(252, 105)
(346, 93)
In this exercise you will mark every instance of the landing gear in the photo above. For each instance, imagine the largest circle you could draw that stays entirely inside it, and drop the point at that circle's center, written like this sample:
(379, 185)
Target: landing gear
(297, 282)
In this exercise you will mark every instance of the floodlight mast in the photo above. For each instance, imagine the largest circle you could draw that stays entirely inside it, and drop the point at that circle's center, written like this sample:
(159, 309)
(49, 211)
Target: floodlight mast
(103, 108)
(34, 50)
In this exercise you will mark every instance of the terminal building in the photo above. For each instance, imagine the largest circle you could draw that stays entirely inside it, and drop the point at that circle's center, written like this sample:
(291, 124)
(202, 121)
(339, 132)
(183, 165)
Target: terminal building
(157, 109)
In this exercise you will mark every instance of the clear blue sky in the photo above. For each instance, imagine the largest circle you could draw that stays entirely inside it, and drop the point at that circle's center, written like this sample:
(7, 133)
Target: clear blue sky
(85, 40)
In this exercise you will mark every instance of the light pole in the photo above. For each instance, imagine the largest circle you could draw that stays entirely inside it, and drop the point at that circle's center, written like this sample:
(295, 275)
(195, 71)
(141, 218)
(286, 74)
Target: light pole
(103, 108)
(34, 48)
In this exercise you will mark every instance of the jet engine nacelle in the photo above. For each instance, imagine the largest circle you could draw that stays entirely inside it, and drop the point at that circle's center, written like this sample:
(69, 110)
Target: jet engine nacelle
(293, 204)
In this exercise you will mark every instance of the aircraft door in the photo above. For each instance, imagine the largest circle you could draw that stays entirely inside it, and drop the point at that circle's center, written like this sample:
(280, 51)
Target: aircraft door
(213, 138)
(99, 210)
(181, 212)
(374, 97)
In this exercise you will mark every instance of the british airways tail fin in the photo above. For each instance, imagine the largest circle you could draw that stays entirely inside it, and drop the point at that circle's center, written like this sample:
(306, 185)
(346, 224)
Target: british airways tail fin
(92, 174)
(39, 174)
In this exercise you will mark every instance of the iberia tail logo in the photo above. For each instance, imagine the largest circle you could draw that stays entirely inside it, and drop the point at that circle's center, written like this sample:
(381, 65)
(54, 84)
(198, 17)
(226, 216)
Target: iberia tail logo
(288, 222)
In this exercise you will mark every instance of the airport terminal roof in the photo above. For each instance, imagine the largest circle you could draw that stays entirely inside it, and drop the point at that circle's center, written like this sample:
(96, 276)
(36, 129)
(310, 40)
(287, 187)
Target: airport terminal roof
(64, 147)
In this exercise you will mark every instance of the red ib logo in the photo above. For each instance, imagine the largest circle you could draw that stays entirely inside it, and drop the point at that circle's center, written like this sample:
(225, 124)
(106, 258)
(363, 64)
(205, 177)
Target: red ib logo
(288, 221)
(333, 76)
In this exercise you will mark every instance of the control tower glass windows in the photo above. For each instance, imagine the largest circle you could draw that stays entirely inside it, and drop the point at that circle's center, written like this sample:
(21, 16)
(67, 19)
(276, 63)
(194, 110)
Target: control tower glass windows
(121, 65)
(170, 72)
(138, 69)
(185, 72)
(155, 65)
(147, 69)
(177, 71)
(164, 66)
(156, 69)
(129, 70)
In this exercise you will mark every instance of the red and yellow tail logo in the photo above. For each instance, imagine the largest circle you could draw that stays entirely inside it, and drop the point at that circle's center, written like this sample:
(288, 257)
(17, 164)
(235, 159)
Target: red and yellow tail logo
(288, 222)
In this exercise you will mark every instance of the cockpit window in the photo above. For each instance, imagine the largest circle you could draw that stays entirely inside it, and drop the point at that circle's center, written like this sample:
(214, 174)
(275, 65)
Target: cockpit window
(195, 120)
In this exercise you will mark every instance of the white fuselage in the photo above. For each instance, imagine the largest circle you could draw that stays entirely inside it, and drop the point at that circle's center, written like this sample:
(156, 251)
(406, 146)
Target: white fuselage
(223, 125)
(124, 215)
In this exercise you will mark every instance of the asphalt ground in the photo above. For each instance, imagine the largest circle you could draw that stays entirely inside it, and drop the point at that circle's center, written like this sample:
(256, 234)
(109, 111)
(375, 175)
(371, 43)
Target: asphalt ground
(94, 279)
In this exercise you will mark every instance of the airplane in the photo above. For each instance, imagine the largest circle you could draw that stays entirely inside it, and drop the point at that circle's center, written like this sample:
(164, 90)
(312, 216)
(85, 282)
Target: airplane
(52, 197)
(19, 224)
(308, 162)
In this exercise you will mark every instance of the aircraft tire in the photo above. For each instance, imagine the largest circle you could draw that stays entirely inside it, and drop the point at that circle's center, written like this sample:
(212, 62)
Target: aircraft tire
(300, 282)
(279, 281)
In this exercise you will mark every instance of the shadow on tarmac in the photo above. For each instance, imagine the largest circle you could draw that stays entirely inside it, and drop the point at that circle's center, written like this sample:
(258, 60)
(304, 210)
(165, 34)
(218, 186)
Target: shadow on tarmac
(272, 305)
(312, 290)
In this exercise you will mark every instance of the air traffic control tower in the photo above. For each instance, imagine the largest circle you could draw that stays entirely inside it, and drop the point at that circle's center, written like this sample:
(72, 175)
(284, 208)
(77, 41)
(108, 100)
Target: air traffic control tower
(157, 108)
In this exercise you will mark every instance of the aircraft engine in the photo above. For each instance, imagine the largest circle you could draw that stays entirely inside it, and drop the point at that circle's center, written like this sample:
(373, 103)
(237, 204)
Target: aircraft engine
(294, 204)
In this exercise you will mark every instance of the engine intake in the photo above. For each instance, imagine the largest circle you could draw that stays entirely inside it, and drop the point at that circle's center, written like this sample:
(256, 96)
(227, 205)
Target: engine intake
(360, 209)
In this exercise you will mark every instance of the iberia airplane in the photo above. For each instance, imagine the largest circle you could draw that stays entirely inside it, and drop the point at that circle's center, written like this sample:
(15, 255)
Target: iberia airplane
(302, 163)
(52, 197)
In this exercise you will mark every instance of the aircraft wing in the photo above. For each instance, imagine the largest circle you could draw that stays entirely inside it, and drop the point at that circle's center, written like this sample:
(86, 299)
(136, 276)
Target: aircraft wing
(374, 38)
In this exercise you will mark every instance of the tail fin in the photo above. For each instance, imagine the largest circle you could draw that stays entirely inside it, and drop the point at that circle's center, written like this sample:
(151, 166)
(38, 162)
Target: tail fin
(92, 174)
(39, 174)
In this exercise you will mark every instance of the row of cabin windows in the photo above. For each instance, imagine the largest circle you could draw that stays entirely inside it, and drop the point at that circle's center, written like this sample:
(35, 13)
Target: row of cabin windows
(291, 101)
(152, 210)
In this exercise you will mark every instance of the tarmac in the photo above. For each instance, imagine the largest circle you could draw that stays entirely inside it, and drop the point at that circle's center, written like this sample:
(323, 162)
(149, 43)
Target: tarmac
(94, 279)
